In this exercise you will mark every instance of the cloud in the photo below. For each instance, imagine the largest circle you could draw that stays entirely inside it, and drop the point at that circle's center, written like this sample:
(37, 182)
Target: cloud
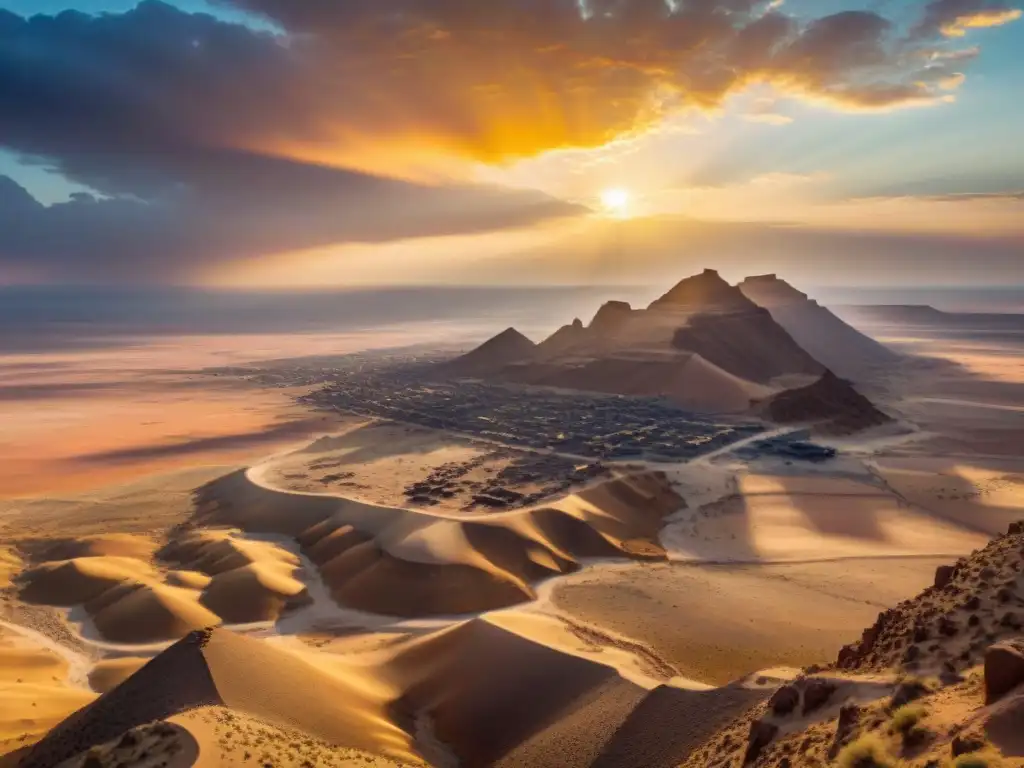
(491, 81)
(953, 18)
(968, 197)
(206, 140)
(236, 207)
(765, 110)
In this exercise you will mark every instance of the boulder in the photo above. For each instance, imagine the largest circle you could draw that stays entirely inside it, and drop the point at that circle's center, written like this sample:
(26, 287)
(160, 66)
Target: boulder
(761, 735)
(943, 575)
(784, 700)
(1004, 668)
(849, 717)
(817, 692)
(848, 656)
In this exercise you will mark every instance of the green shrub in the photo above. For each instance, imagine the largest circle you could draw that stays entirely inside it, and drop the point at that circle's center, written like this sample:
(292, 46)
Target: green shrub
(866, 752)
(977, 760)
(906, 717)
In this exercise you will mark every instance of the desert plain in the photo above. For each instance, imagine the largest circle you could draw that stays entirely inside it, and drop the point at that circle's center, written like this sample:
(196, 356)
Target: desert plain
(316, 562)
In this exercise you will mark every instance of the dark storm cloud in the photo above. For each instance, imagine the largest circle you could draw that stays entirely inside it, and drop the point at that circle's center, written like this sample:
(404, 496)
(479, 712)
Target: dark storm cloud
(209, 141)
(147, 108)
(240, 206)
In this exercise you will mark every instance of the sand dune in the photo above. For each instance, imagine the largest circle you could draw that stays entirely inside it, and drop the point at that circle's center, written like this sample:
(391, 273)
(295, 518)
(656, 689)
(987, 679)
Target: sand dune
(414, 563)
(190, 579)
(82, 579)
(124, 597)
(147, 613)
(219, 668)
(254, 592)
(129, 545)
(110, 673)
(221, 577)
(34, 694)
(229, 738)
(488, 689)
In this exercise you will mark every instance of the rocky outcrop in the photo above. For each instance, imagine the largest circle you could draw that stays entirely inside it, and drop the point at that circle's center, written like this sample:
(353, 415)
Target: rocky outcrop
(784, 700)
(1004, 668)
(761, 735)
(943, 575)
(965, 610)
(817, 693)
(830, 403)
(846, 727)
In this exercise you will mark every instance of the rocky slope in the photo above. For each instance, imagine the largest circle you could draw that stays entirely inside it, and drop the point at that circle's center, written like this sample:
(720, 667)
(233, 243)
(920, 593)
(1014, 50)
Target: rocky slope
(830, 403)
(937, 681)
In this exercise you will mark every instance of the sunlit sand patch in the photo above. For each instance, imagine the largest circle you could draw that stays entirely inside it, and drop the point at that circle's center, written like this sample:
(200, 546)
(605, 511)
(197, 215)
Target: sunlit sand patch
(984, 498)
(777, 519)
(34, 690)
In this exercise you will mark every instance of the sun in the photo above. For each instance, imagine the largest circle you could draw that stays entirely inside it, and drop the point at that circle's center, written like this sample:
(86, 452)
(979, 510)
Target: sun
(615, 200)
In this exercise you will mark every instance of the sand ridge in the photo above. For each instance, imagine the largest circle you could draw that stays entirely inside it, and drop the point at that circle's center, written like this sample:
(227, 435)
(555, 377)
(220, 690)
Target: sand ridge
(218, 576)
(409, 562)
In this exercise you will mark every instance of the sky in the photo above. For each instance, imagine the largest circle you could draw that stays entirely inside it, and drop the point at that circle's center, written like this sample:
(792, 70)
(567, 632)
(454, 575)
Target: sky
(279, 144)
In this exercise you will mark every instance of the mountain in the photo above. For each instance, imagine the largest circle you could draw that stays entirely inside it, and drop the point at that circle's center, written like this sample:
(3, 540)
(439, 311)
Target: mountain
(509, 346)
(830, 402)
(685, 378)
(704, 344)
(564, 339)
(833, 343)
(704, 292)
(611, 317)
